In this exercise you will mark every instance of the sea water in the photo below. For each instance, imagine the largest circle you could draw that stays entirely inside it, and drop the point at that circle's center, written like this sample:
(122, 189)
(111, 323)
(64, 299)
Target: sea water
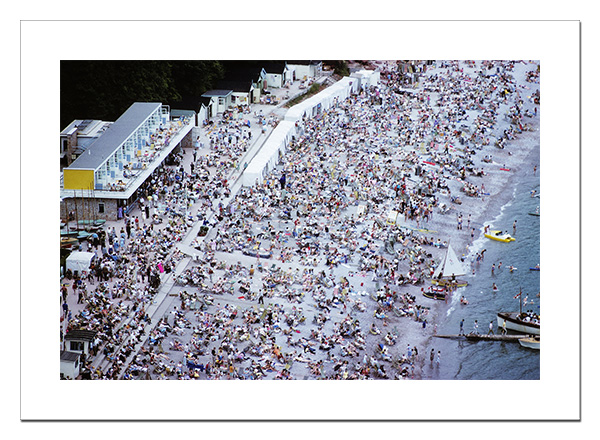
(486, 360)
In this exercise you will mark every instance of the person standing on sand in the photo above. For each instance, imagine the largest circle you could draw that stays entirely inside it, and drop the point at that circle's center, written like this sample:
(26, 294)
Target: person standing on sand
(462, 323)
(431, 356)
(282, 181)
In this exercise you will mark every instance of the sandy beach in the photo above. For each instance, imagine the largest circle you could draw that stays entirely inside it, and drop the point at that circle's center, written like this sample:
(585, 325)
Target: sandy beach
(338, 292)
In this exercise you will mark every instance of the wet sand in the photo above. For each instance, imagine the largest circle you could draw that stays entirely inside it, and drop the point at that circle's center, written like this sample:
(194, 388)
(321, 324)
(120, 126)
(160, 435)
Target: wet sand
(295, 351)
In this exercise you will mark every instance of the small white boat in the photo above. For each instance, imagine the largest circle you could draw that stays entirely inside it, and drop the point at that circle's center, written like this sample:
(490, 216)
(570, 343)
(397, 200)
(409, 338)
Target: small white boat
(448, 269)
(531, 342)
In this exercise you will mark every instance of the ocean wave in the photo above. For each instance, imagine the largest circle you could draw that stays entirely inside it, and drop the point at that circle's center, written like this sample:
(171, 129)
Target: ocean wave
(455, 300)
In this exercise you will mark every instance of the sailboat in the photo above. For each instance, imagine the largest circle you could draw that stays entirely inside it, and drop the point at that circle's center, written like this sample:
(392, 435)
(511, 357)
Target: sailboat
(450, 268)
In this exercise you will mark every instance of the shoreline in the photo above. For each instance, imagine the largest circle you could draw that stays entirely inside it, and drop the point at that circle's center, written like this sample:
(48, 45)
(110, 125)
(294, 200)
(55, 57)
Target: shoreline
(497, 183)
(492, 210)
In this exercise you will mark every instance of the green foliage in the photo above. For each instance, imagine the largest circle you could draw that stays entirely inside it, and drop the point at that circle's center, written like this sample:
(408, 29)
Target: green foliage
(340, 67)
(312, 90)
(105, 89)
(193, 78)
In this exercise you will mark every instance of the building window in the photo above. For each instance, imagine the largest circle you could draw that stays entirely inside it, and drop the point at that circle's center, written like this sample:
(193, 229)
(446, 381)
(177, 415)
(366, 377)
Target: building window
(76, 346)
(101, 208)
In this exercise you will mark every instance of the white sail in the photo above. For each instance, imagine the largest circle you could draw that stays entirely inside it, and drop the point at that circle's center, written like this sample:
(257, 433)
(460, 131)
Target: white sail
(449, 266)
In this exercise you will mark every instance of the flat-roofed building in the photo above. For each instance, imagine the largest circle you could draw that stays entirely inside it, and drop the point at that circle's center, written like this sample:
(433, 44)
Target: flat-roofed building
(70, 365)
(78, 136)
(110, 172)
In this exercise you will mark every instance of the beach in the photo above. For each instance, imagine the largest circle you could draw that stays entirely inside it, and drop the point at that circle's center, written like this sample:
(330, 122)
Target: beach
(310, 274)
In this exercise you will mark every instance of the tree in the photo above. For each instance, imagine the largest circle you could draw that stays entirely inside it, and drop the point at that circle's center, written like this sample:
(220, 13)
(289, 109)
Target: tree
(340, 67)
(105, 89)
(193, 78)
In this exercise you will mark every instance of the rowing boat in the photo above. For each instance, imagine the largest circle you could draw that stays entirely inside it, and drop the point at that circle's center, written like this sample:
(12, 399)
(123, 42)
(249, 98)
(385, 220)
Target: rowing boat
(531, 342)
(68, 241)
(435, 293)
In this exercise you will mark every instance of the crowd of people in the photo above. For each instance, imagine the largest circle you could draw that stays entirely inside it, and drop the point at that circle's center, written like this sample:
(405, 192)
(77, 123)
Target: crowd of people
(307, 274)
(135, 253)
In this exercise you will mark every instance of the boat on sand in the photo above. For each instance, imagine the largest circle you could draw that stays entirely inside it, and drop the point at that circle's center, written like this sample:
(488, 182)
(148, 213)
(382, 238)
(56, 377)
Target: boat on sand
(435, 293)
(450, 268)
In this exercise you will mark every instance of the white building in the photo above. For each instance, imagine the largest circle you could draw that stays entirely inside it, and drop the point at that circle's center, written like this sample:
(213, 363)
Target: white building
(113, 171)
(78, 136)
(366, 78)
(70, 364)
(220, 101)
(303, 70)
(278, 74)
(80, 341)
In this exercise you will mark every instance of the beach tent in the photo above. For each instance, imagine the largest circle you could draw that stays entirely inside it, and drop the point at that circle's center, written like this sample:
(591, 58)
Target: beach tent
(366, 78)
(392, 216)
(268, 156)
(362, 210)
(343, 88)
(306, 109)
(281, 136)
(79, 261)
(323, 100)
